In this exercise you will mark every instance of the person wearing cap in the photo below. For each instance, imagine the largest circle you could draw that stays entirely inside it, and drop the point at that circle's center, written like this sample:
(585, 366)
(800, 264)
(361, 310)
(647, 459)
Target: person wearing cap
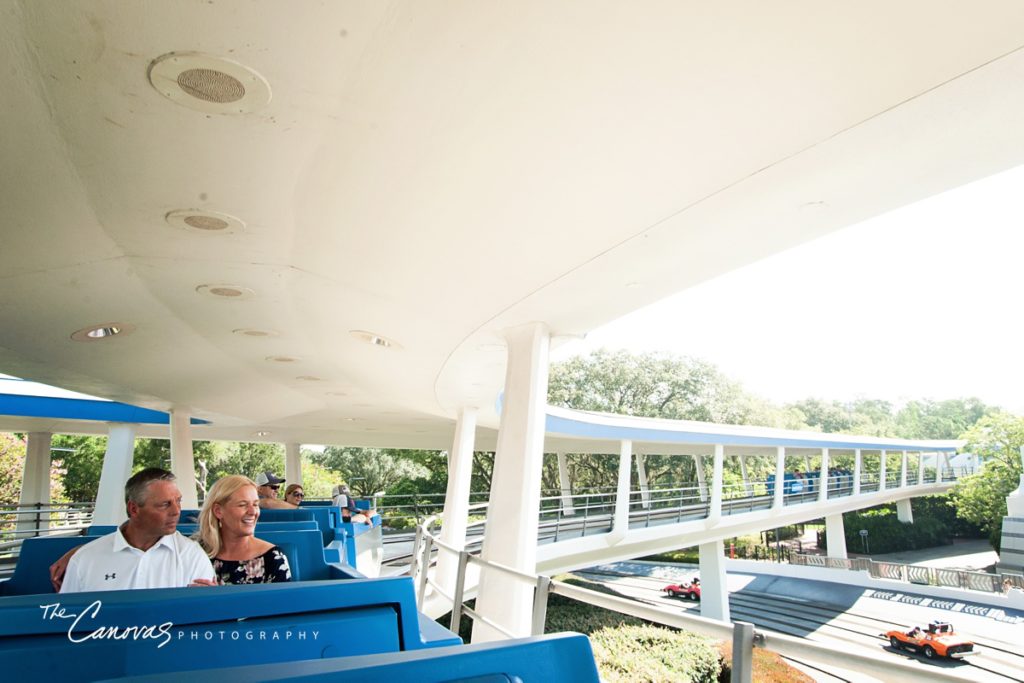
(266, 486)
(341, 497)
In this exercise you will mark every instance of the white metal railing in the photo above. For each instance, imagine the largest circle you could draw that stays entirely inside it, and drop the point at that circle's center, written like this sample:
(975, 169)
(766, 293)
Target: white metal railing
(744, 636)
(919, 574)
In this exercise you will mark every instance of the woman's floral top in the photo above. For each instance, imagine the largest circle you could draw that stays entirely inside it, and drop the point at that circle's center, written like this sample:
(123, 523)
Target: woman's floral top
(270, 567)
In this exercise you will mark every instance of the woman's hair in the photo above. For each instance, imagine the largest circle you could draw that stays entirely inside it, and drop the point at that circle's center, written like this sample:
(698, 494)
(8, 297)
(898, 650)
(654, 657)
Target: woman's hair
(208, 534)
(291, 488)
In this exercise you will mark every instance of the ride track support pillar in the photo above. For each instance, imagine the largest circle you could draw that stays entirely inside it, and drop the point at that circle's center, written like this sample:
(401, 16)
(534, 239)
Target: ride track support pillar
(881, 471)
(835, 536)
(620, 518)
(455, 517)
(715, 510)
(566, 485)
(35, 483)
(823, 477)
(904, 511)
(780, 478)
(714, 594)
(117, 467)
(641, 478)
(183, 463)
(511, 536)
(292, 464)
(702, 484)
(858, 462)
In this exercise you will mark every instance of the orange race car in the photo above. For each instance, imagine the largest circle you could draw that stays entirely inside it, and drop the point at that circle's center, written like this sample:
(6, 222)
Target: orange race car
(938, 640)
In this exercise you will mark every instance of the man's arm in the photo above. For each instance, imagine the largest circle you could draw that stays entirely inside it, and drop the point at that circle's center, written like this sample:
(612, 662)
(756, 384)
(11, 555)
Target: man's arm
(59, 568)
(71, 581)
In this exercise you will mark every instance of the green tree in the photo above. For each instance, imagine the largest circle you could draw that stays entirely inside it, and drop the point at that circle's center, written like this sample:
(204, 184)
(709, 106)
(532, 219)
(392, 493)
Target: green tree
(647, 385)
(981, 498)
(369, 470)
(927, 419)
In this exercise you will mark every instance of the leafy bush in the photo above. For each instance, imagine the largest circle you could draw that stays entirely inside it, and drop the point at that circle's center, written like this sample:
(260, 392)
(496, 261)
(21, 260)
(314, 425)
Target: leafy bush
(886, 534)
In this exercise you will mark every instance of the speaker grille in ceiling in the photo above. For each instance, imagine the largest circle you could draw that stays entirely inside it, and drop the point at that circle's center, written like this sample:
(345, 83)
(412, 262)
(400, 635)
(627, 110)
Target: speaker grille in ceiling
(211, 86)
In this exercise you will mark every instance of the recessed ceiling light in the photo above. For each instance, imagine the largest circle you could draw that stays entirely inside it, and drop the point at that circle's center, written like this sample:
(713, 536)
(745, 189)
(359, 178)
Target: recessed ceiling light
(233, 292)
(262, 433)
(204, 222)
(348, 419)
(308, 378)
(102, 331)
(374, 339)
(250, 332)
(208, 84)
(282, 359)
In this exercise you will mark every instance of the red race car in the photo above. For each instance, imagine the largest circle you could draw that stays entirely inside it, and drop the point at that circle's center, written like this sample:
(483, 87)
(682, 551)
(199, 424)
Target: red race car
(690, 590)
(938, 640)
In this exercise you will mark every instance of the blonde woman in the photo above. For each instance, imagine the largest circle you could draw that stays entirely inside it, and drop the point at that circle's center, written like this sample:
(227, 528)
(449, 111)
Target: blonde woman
(226, 525)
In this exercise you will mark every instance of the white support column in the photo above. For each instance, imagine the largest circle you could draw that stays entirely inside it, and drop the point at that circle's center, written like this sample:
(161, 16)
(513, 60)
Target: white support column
(620, 525)
(35, 482)
(563, 481)
(743, 475)
(702, 484)
(780, 477)
(858, 463)
(292, 464)
(881, 471)
(823, 477)
(714, 593)
(641, 477)
(904, 512)
(715, 511)
(920, 467)
(807, 464)
(511, 537)
(117, 468)
(455, 517)
(904, 462)
(182, 461)
(835, 535)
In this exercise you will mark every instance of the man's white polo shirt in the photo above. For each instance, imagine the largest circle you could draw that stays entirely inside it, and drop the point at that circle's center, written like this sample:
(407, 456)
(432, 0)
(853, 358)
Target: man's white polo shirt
(110, 563)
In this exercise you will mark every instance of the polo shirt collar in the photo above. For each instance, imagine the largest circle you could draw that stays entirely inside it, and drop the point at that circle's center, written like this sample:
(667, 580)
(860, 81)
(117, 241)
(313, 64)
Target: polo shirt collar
(121, 543)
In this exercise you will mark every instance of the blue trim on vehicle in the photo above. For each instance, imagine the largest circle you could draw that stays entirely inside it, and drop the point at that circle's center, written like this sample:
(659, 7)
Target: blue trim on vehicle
(82, 409)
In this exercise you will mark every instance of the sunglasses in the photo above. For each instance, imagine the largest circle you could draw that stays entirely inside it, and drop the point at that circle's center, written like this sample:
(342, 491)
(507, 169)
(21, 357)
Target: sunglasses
(273, 486)
(297, 494)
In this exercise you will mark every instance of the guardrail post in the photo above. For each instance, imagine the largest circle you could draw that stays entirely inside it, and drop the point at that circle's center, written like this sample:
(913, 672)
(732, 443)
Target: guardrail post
(424, 570)
(540, 605)
(460, 587)
(415, 563)
(742, 653)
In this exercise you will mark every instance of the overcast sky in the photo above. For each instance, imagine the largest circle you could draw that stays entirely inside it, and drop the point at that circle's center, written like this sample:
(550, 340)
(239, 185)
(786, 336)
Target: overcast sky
(922, 302)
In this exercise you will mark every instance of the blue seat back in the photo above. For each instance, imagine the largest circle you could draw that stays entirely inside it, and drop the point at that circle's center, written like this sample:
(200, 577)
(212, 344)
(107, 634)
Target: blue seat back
(32, 573)
(230, 625)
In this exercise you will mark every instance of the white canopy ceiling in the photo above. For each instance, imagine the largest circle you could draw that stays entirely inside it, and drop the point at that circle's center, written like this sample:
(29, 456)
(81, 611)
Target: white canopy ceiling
(434, 173)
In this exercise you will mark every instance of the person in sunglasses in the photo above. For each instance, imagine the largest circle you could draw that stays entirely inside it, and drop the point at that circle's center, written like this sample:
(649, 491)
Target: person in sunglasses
(266, 486)
(294, 494)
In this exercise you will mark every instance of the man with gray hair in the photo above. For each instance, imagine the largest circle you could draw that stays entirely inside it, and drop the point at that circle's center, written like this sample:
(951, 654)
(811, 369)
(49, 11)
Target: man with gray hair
(146, 551)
